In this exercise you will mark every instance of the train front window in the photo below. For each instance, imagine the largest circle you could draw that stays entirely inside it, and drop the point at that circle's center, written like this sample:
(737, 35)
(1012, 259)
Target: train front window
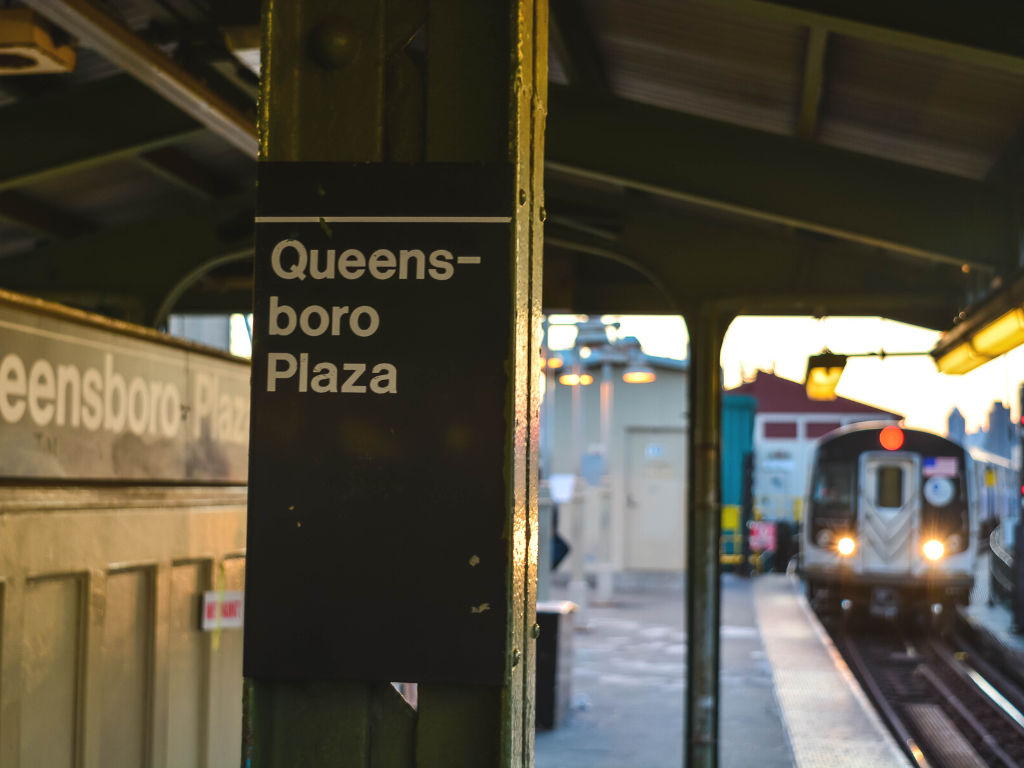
(890, 488)
(834, 499)
(834, 487)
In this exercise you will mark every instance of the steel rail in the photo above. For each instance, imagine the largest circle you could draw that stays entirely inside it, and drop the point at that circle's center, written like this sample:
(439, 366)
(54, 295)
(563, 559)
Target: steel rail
(946, 655)
(1007, 688)
(953, 700)
(884, 707)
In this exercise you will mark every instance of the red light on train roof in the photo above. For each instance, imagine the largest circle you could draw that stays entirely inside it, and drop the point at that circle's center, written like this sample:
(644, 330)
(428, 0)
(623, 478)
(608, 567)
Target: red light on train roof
(891, 438)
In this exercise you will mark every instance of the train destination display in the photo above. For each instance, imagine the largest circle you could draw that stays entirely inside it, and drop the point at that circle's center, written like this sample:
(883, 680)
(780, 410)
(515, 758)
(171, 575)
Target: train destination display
(86, 398)
(382, 346)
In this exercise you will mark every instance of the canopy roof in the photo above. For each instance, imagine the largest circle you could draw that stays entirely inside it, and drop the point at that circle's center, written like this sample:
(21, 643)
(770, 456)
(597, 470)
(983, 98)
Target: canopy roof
(783, 156)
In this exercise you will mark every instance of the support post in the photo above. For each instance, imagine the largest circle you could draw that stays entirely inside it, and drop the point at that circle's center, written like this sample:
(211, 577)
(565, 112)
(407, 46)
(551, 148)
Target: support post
(706, 326)
(338, 85)
(1018, 549)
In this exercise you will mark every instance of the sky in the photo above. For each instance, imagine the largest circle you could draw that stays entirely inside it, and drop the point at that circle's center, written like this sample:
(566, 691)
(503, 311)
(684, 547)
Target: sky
(911, 386)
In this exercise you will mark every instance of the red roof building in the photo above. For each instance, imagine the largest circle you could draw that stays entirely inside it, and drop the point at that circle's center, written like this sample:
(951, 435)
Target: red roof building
(786, 427)
(775, 394)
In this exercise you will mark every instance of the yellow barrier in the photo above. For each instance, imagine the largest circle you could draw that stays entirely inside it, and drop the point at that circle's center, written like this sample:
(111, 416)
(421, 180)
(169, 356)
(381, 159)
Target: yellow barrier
(732, 534)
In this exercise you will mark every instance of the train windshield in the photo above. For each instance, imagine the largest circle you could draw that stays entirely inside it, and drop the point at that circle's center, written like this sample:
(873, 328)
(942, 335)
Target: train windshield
(835, 489)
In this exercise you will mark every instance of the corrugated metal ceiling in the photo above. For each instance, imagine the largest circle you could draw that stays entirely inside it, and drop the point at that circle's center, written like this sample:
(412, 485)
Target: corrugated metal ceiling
(111, 195)
(702, 60)
(898, 104)
(918, 108)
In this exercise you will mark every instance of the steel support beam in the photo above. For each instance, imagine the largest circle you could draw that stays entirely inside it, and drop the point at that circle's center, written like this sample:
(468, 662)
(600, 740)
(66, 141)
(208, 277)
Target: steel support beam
(98, 29)
(485, 81)
(814, 83)
(573, 40)
(876, 202)
(39, 217)
(985, 33)
(81, 127)
(180, 169)
(140, 263)
(706, 325)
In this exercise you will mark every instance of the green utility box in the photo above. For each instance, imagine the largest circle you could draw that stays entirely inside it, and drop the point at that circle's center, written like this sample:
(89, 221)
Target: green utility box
(738, 412)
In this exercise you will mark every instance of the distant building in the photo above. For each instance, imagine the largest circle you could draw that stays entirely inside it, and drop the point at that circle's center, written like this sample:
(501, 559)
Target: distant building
(999, 438)
(785, 429)
(956, 427)
(211, 330)
(1000, 431)
(634, 476)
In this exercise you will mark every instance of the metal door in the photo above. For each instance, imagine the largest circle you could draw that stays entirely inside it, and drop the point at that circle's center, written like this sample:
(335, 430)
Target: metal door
(655, 500)
(888, 511)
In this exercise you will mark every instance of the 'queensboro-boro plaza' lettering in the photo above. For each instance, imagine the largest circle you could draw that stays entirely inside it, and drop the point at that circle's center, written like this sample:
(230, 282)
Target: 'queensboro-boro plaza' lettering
(95, 398)
(291, 260)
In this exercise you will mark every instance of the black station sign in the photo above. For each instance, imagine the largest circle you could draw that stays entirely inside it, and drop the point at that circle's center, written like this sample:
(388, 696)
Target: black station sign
(382, 349)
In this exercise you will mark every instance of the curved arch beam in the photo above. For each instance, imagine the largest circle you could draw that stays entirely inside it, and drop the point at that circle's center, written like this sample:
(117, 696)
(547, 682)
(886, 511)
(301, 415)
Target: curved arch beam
(628, 261)
(190, 277)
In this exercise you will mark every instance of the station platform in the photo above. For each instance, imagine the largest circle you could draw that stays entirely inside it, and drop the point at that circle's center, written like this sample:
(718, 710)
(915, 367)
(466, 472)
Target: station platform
(787, 697)
(829, 721)
(991, 621)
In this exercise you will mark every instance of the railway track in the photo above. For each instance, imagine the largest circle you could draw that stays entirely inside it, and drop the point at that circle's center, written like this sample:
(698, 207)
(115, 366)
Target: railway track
(945, 704)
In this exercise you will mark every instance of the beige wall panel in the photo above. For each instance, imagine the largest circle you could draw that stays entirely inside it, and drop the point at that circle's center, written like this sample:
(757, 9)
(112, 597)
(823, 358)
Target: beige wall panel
(661, 405)
(143, 651)
(188, 654)
(127, 642)
(50, 673)
(43, 528)
(226, 683)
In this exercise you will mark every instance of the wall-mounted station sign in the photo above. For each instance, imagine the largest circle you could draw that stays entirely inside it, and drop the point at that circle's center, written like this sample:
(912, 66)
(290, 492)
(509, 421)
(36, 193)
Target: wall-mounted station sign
(83, 397)
(380, 424)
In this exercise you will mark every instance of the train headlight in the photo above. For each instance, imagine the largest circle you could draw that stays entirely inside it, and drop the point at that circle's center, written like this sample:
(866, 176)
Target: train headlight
(955, 543)
(824, 539)
(846, 546)
(934, 549)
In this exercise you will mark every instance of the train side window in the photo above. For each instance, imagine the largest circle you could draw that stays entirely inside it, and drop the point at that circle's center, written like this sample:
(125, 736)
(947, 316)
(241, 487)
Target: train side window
(890, 488)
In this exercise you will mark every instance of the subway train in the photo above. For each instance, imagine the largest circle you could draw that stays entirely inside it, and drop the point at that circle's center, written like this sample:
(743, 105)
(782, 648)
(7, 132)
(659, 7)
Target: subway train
(894, 517)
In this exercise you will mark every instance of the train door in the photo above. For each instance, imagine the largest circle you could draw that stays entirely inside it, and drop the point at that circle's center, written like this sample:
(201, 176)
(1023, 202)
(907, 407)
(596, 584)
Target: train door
(888, 510)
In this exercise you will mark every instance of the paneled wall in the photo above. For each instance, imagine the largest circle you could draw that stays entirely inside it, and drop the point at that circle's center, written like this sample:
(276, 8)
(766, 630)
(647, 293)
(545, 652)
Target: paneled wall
(102, 660)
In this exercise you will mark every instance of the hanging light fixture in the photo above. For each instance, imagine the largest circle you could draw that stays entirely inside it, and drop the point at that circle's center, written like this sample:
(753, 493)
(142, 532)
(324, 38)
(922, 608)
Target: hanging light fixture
(638, 372)
(823, 373)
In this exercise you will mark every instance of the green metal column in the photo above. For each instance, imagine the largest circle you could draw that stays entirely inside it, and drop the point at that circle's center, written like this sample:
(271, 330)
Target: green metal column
(341, 83)
(706, 326)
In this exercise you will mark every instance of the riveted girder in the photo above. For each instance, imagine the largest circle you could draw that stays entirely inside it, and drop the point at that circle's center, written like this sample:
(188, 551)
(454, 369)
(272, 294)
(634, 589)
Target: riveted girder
(338, 85)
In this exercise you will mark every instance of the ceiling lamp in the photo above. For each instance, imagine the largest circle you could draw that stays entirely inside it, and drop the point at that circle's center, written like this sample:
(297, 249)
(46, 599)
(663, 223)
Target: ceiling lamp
(990, 328)
(990, 341)
(27, 45)
(638, 371)
(823, 373)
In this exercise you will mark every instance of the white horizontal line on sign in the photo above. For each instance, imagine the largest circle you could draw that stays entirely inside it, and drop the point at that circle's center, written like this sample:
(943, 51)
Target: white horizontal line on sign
(468, 260)
(383, 219)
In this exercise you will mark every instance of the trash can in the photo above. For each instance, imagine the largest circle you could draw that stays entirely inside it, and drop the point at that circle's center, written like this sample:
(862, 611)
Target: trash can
(554, 661)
